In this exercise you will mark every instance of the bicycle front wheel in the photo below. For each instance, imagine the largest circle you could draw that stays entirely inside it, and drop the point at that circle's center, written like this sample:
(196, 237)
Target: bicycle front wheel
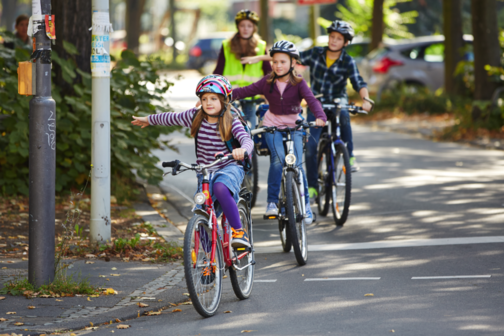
(341, 185)
(203, 276)
(243, 280)
(323, 178)
(295, 216)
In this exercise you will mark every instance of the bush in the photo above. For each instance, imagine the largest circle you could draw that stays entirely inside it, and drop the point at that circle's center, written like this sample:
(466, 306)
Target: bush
(136, 89)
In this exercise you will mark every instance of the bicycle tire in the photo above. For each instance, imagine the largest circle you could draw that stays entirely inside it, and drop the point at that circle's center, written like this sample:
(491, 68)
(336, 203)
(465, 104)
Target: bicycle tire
(243, 281)
(341, 194)
(282, 223)
(296, 228)
(205, 297)
(251, 180)
(323, 179)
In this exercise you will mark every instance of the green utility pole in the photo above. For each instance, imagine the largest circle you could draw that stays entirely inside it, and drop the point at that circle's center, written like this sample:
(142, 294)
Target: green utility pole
(314, 26)
(264, 23)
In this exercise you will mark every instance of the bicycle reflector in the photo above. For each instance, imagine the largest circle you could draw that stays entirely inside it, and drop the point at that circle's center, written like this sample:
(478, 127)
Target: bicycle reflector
(200, 198)
(290, 159)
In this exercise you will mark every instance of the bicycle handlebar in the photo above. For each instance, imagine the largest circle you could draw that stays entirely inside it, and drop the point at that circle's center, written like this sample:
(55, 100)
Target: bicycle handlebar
(299, 124)
(354, 109)
(176, 164)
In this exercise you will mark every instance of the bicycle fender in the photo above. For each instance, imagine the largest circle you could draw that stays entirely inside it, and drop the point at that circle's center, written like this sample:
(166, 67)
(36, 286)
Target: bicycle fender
(203, 213)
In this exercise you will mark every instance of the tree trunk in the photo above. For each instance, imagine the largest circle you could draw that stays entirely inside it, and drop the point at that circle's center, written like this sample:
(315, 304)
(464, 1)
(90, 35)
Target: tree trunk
(8, 14)
(134, 11)
(264, 23)
(72, 21)
(486, 46)
(173, 29)
(377, 25)
(452, 26)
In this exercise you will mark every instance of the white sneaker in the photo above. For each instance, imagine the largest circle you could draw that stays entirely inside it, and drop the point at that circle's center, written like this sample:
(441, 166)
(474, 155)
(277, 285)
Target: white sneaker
(271, 209)
(308, 219)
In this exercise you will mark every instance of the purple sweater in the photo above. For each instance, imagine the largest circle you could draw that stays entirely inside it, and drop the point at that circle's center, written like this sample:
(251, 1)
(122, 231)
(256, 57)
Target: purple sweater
(281, 104)
(209, 140)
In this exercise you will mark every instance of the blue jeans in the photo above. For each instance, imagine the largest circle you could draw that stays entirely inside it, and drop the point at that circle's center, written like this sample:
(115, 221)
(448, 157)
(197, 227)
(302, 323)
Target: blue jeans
(277, 159)
(249, 110)
(311, 146)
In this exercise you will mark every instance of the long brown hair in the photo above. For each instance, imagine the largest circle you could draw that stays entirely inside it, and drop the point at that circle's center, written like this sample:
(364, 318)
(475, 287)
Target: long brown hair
(250, 49)
(225, 123)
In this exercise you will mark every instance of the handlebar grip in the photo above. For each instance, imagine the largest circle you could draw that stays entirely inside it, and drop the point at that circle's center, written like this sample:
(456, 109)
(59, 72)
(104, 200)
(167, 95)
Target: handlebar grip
(170, 164)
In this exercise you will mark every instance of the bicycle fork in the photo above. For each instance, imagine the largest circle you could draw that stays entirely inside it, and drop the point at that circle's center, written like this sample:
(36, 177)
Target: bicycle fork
(291, 166)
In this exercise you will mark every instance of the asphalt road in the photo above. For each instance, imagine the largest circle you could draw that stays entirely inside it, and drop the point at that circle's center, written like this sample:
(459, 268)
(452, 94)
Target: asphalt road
(422, 252)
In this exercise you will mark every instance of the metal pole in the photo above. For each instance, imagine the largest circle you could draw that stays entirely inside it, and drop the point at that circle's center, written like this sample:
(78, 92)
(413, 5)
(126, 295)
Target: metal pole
(173, 29)
(100, 226)
(42, 157)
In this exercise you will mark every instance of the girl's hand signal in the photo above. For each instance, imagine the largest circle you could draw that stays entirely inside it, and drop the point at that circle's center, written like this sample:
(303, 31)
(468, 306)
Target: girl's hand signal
(249, 60)
(140, 121)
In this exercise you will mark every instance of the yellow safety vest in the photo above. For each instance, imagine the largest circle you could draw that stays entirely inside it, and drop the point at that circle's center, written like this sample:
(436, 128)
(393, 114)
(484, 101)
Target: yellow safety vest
(236, 73)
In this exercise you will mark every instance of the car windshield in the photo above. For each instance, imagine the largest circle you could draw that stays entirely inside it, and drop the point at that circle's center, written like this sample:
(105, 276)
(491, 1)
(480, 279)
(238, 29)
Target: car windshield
(377, 52)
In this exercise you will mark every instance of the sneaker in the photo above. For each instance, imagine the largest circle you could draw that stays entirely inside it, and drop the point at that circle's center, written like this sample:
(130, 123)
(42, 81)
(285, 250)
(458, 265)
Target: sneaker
(308, 215)
(208, 275)
(271, 210)
(239, 238)
(354, 165)
(313, 194)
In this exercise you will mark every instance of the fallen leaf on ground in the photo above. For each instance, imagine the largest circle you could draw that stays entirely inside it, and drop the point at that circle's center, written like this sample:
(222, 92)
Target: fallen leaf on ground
(2, 297)
(186, 294)
(102, 276)
(4, 267)
(224, 277)
(18, 323)
(10, 262)
(89, 262)
(115, 274)
(44, 296)
(2, 319)
(392, 330)
(142, 305)
(24, 259)
(72, 334)
(109, 291)
(113, 268)
(88, 299)
(31, 307)
(11, 313)
(90, 256)
(176, 310)
(22, 237)
(369, 294)
(247, 331)
(152, 313)
(227, 312)
(117, 320)
(123, 326)
(91, 328)
(91, 324)
(95, 295)
(59, 300)
(186, 303)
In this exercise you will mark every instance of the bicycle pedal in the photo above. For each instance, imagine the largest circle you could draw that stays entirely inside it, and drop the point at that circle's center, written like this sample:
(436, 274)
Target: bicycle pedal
(270, 217)
(243, 249)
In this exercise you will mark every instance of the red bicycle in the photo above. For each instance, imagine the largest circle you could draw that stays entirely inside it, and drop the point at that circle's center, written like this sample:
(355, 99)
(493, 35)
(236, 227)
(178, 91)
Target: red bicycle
(205, 260)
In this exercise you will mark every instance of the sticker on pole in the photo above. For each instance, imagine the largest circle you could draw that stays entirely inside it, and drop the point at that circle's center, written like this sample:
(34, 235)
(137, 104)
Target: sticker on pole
(100, 59)
(50, 27)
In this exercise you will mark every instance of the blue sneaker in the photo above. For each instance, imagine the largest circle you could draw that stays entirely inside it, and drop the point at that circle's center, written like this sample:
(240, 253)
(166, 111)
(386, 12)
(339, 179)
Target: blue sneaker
(308, 215)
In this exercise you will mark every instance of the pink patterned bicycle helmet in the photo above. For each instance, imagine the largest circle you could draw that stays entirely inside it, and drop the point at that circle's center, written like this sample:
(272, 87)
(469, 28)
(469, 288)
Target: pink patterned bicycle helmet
(214, 84)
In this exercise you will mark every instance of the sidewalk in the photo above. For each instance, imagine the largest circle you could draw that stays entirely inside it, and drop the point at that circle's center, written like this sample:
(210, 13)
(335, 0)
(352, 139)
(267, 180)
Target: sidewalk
(158, 285)
(425, 127)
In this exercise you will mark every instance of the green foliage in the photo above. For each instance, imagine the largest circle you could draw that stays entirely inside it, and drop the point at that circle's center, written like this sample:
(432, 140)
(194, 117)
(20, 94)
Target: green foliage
(359, 13)
(136, 89)
(291, 38)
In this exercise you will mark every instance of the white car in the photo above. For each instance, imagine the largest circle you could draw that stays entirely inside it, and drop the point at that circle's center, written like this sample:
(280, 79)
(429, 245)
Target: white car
(417, 62)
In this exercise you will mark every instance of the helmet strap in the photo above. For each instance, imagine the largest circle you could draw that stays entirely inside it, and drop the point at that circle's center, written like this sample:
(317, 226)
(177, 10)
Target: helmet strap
(285, 74)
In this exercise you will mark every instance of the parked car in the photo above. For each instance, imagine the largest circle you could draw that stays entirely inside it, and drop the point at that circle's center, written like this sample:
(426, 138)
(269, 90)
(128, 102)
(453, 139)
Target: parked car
(204, 53)
(417, 62)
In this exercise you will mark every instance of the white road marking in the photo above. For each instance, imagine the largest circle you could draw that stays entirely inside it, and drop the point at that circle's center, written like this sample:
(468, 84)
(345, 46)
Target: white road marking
(273, 280)
(451, 277)
(274, 246)
(339, 279)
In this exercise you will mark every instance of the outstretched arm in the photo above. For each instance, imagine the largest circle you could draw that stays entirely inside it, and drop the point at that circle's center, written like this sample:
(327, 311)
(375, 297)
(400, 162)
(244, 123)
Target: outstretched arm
(141, 121)
(255, 59)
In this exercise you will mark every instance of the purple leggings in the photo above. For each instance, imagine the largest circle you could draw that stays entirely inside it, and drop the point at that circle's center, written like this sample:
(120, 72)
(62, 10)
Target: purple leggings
(228, 204)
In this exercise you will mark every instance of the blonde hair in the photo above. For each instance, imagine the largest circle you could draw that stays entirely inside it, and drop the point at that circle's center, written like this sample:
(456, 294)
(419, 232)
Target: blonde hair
(225, 123)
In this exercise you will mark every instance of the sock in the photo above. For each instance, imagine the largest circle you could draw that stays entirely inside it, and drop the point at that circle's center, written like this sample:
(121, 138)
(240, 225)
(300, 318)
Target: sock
(228, 204)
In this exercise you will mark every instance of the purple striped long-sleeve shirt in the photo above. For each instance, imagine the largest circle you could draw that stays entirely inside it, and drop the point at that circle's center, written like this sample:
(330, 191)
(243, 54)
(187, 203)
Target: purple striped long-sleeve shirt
(209, 140)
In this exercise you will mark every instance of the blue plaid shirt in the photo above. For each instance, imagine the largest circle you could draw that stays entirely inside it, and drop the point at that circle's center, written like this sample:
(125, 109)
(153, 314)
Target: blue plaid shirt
(331, 82)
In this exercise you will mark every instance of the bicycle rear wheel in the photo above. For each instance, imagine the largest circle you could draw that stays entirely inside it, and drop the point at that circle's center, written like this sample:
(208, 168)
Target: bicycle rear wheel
(251, 180)
(323, 178)
(341, 185)
(295, 216)
(203, 276)
(243, 280)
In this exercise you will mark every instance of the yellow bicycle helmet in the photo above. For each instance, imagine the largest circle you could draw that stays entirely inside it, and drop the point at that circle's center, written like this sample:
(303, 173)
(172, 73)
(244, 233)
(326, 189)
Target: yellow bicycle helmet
(246, 14)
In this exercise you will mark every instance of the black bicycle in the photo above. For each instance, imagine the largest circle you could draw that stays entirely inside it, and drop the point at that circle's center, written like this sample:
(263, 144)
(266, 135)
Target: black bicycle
(334, 170)
(291, 207)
